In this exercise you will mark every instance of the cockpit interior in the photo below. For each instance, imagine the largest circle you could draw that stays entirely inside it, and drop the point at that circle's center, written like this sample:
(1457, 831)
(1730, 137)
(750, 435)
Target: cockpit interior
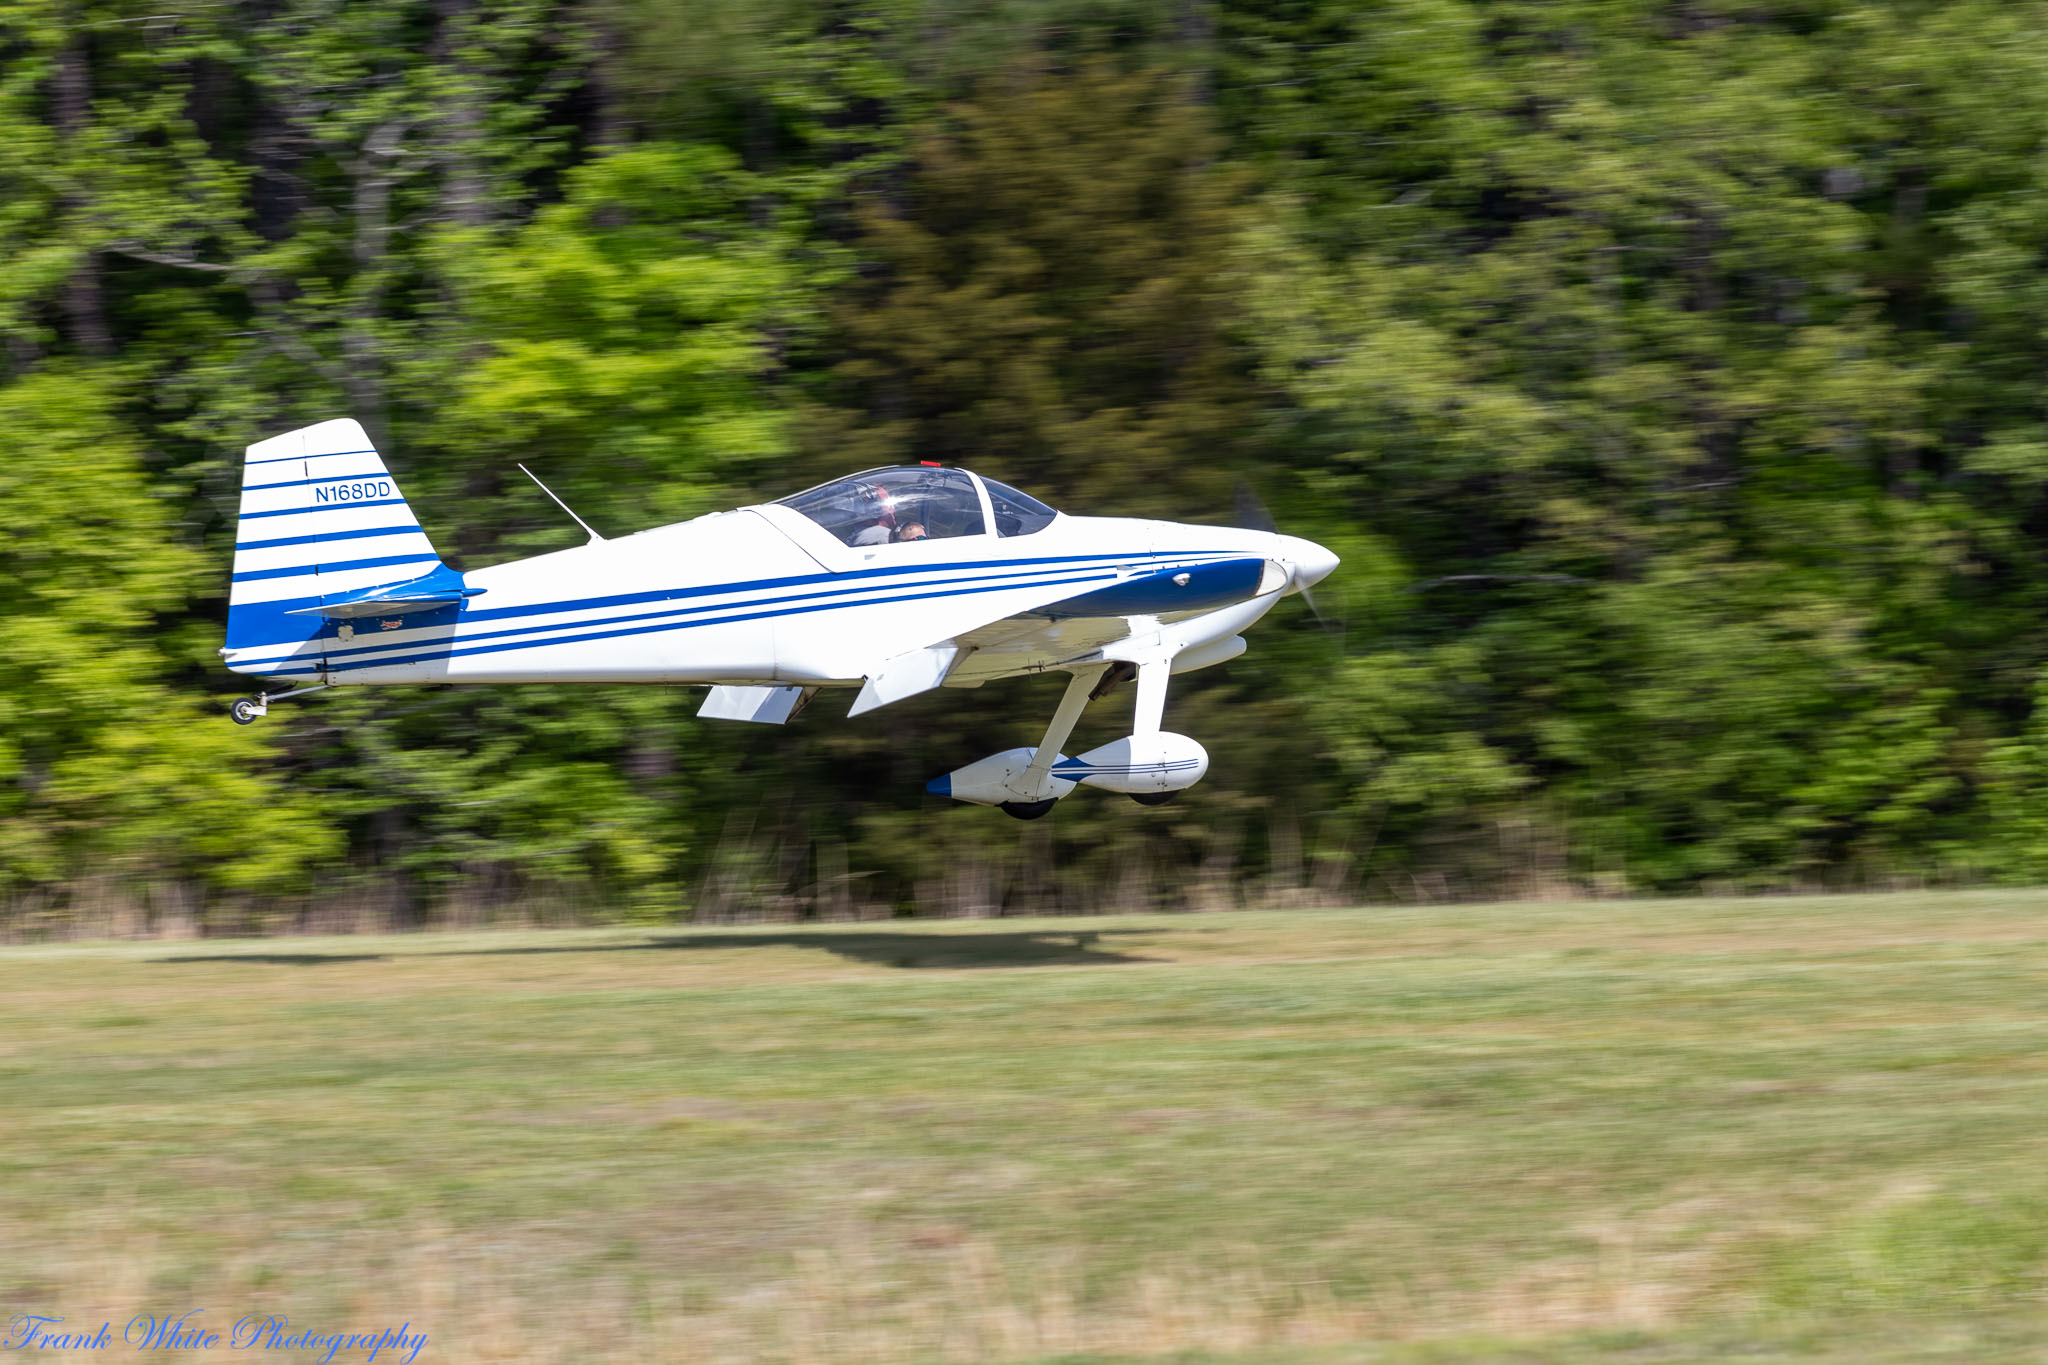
(906, 503)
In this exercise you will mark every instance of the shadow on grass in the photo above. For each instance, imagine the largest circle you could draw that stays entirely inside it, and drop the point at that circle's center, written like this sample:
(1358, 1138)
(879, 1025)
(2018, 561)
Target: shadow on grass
(282, 959)
(1042, 948)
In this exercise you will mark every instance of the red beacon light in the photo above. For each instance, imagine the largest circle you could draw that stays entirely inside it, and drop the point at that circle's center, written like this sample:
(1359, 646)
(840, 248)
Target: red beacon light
(931, 464)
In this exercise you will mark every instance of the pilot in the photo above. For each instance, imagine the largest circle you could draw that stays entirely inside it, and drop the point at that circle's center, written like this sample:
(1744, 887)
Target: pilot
(913, 531)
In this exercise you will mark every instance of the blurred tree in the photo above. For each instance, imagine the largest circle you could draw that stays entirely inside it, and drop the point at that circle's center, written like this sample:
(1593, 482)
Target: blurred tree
(1049, 298)
(1615, 387)
(620, 340)
(1669, 375)
(105, 772)
(1053, 301)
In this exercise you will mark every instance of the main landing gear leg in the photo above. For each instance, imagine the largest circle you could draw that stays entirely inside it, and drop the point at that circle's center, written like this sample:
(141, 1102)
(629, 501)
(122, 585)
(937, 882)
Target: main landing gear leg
(1072, 703)
(1150, 709)
(245, 710)
(1148, 713)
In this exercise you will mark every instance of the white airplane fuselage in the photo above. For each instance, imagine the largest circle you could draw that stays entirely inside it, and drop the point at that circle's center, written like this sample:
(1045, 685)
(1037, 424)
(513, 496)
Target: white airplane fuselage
(336, 584)
(762, 595)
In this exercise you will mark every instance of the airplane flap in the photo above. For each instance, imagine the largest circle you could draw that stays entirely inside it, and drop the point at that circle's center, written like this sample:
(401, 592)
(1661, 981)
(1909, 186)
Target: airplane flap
(762, 705)
(906, 675)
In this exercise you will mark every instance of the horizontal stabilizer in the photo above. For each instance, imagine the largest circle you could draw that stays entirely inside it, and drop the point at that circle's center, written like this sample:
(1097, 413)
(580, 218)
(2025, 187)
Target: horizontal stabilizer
(906, 675)
(437, 589)
(762, 705)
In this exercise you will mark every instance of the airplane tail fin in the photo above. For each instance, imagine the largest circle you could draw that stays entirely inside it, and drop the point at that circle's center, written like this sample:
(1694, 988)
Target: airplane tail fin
(321, 516)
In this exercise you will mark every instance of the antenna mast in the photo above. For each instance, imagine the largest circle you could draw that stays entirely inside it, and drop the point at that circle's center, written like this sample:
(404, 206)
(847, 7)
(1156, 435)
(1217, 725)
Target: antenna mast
(594, 536)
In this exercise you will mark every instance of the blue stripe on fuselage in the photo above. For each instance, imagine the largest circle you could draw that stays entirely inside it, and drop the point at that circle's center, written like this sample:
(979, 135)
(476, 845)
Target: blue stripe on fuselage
(1019, 574)
(445, 652)
(1013, 579)
(632, 599)
(816, 598)
(1018, 566)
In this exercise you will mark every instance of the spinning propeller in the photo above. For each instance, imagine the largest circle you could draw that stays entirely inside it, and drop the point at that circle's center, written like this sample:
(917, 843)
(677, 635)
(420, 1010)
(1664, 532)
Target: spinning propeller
(1253, 516)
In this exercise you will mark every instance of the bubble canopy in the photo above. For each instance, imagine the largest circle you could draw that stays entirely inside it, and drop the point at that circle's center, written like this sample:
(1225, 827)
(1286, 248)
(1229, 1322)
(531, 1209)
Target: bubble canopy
(917, 502)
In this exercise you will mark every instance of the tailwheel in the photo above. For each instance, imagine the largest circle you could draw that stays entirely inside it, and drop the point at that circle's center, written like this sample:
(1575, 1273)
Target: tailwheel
(1028, 810)
(1153, 798)
(246, 709)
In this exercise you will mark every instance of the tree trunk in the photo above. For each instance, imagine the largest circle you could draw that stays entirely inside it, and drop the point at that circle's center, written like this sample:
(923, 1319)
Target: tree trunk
(609, 126)
(464, 201)
(84, 298)
(375, 171)
(1196, 22)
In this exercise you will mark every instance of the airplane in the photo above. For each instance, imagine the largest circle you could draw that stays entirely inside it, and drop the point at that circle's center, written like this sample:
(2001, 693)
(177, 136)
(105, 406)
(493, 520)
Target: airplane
(894, 581)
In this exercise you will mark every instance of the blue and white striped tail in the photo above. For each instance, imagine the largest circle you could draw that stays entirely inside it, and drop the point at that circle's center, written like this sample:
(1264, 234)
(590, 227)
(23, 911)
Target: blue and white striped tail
(320, 516)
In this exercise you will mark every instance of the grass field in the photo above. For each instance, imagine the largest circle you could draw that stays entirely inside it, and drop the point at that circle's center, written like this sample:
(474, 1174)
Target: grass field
(1758, 1130)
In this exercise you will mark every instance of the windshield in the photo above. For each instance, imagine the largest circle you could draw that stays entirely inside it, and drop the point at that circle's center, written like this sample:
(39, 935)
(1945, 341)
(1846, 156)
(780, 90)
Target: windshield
(889, 506)
(1017, 514)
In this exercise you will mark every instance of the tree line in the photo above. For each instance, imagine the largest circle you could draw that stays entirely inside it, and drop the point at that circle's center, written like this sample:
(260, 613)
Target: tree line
(1670, 374)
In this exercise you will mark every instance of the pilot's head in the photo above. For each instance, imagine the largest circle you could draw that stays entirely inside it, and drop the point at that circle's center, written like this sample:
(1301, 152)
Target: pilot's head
(911, 531)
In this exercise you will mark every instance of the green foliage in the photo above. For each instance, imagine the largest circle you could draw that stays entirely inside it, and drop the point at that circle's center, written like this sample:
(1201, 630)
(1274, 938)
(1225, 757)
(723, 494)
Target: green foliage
(628, 324)
(1634, 351)
(1053, 298)
(1669, 377)
(104, 768)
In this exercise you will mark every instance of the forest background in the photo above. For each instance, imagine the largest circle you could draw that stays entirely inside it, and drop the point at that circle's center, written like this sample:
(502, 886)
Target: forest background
(1671, 375)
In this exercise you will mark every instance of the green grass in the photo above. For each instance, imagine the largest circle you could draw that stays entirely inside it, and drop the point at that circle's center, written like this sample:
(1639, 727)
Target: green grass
(1756, 1130)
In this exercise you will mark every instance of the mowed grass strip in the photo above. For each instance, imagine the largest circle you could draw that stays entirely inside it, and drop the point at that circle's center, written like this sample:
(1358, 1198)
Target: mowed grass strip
(1772, 1129)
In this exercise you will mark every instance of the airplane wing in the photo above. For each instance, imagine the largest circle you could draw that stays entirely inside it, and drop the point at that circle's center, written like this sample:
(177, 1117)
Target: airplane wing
(1003, 647)
(1052, 624)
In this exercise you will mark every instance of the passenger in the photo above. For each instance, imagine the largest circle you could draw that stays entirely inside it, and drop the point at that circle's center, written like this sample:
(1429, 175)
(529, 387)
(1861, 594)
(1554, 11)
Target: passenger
(914, 531)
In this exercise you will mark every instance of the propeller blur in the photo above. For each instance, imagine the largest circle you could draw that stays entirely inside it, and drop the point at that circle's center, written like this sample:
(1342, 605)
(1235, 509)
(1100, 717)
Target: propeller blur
(893, 581)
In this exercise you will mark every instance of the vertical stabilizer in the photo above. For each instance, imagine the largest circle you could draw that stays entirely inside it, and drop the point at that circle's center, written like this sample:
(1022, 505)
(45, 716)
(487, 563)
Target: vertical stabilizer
(320, 516)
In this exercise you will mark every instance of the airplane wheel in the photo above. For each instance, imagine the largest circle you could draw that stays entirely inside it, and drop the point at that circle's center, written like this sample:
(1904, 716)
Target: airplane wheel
(1153, 798)
(1028, 810)
(244, 711)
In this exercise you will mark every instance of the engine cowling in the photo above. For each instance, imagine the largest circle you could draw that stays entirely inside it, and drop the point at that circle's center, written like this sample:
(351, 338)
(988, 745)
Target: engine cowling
(1158, 762)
